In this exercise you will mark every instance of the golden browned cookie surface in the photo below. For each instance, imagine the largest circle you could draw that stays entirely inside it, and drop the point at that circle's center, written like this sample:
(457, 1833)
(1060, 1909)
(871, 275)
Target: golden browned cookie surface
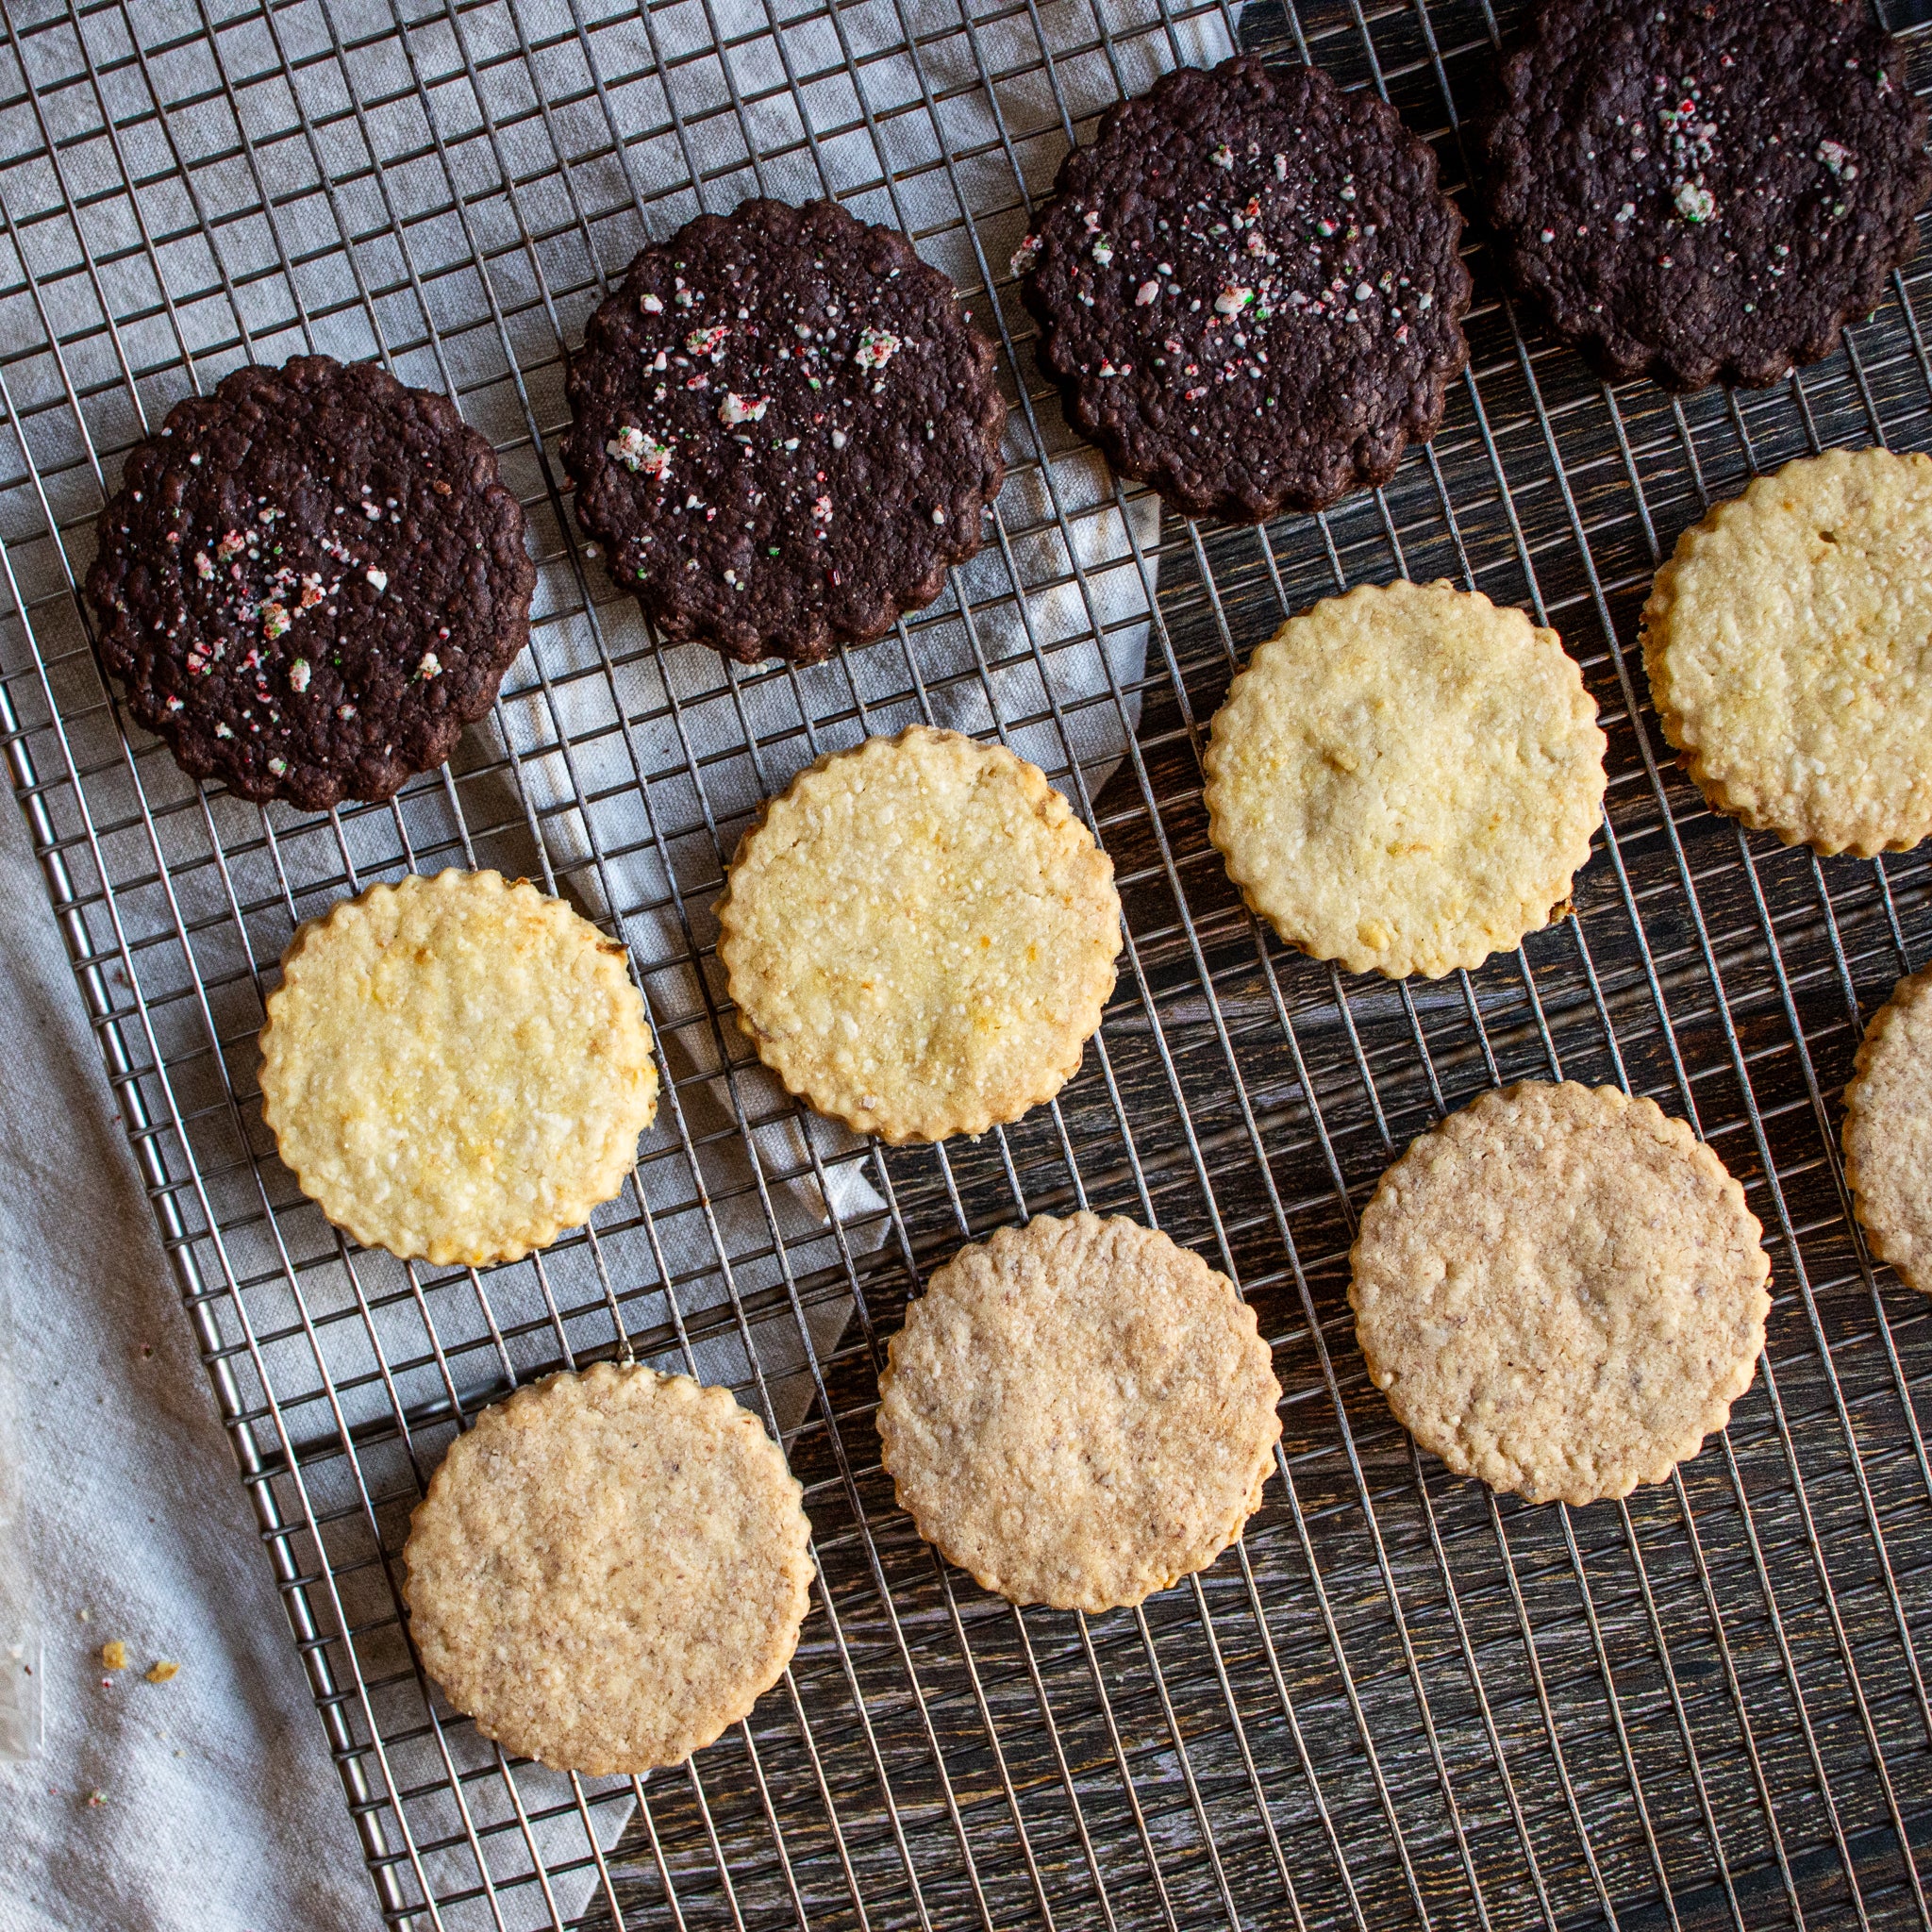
(457, 1068)
(608, 1569)
(920, 936)
(1887, 1134)
(1788, 644)
(1560, 1291)
(1078, 1412)
(1406, 778)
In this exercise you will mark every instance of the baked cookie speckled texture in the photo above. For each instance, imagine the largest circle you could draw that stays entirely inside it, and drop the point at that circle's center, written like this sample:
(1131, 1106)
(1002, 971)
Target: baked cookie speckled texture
(1407, 779)
(1788, 646)
(1079, 1412)
(920, 936)
(309, 582)
(1560, 1291)
(1705, 192)
(1887, 1132)
(1248, 289)
(786, 430)
(457, 1068)
(608, 1569)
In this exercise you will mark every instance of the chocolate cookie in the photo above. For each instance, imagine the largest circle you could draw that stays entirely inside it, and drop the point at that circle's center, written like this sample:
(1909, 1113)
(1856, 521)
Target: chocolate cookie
(1705, 192)
(310, 581)
(1248, 290)
(786, 431)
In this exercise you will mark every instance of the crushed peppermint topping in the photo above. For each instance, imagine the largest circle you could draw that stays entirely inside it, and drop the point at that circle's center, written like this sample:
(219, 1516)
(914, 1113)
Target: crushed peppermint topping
(1837, 157)
(734, 410)
(1025, 255)
(278, 766)
(877, 348)
(429, 666)
(822, 509)
(638, 453)
(838, 439)
(1223, 156)
(1103, 251)
(1696, 205)
(379, 577)
(651, 305)
(274, 621)
(708, 342)
(1146, 294)
(298, 674)
(203, 568)
(1232, 300)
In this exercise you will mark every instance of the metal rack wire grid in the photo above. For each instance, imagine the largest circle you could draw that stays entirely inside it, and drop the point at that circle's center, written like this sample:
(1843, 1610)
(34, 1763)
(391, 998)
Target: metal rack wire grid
(1401, 1700)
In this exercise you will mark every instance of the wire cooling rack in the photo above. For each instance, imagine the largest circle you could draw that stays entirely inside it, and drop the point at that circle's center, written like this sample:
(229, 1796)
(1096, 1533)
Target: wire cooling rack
(1401, 1700)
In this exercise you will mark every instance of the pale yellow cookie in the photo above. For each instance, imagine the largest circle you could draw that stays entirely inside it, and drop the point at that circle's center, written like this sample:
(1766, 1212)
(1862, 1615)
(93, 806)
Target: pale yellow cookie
(1888, 1135)
(1406, 780)
(1078, 1412)
(608, 1569)
(457, 1068)
(920, 936)
(1788, 644)
(1560, 1291)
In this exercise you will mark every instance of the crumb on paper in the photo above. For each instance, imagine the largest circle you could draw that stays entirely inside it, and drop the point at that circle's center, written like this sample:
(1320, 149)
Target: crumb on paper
(85, 1615)
(97, 1798)
(161, 1670)
(114, 1655)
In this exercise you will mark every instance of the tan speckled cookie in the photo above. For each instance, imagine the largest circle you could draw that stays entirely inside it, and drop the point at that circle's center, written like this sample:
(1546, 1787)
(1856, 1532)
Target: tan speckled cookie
(1560, 1291)
(920, 936)
(1078, 1412)
(1406, 780)
(608, 1569)
(457, 1068)
(1887, 1134)
(1788, 644)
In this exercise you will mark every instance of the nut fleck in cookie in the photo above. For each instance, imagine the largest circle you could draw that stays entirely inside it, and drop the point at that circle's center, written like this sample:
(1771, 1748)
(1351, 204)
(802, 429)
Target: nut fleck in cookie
(1704, 193)
(1560, 1291)
(1248, 290)
(1887, 1134)
(1788, 644)
(457, 1068)
(920, 936)
(608, 1569)
(786, 431)
(1406, 780)
(310, 581)
(1078, 1412)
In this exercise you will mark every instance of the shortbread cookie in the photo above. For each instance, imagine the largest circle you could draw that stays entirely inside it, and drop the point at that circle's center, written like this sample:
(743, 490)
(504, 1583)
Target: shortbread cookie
(1078, 1412)
(1788, 644)
(1560, 1291)
(1888, 1136)
(1406, 780)
(920, 936)
(457, 1068)
(608, 1569)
